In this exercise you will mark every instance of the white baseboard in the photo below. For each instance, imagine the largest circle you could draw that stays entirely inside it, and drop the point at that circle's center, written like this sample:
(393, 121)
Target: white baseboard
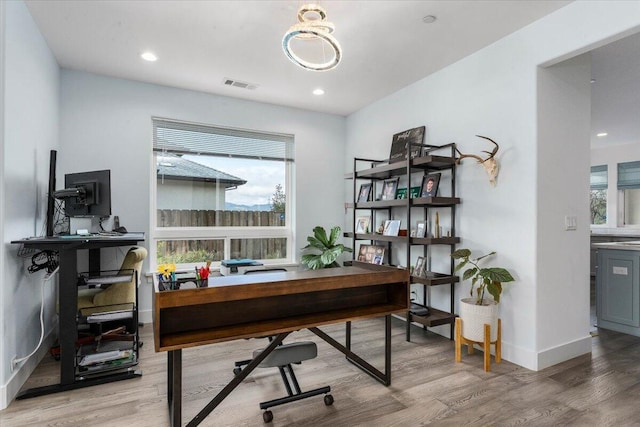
(145, 316)
(9, 391)
(561, 353)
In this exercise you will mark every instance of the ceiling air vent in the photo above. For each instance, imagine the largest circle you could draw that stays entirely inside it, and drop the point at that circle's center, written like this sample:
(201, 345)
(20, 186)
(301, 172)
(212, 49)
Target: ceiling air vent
(237, 83)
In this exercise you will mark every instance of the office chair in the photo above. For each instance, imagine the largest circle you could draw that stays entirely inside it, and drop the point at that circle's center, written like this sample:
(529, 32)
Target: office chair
(120, 296)
(116, 293)
(282, 358)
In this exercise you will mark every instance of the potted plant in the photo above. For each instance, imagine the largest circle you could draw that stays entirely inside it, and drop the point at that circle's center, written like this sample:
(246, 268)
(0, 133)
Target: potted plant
(330, 251)
(478, 310)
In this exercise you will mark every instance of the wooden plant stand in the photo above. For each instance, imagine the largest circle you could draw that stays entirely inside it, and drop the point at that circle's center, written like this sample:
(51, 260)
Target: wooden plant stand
(486, 345)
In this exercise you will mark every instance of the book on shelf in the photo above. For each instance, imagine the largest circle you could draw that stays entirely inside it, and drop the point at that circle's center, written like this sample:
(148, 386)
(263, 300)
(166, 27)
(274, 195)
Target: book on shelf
(106, 356)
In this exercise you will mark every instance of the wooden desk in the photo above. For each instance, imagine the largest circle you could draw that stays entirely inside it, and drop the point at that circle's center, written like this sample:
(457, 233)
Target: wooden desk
(235, 307)
(67, 248)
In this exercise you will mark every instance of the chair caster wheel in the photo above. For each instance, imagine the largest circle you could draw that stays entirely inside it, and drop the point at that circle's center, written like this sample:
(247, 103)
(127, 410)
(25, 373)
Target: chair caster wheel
(328, 399)
(267, 416)
(236, 371)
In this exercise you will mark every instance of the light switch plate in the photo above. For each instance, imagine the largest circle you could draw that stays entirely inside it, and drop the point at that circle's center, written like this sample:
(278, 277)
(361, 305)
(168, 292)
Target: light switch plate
(570, 223)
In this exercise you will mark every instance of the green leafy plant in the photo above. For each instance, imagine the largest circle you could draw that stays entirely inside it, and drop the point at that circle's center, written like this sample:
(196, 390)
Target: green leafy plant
(488, 279)
(329, 249)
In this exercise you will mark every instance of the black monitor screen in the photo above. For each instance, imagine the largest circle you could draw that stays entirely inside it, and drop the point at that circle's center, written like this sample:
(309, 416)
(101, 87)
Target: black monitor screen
(93, 197)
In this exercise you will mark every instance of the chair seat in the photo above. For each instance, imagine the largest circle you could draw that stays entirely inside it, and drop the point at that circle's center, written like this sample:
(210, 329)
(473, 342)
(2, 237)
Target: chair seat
(85, 297)
(286, 354)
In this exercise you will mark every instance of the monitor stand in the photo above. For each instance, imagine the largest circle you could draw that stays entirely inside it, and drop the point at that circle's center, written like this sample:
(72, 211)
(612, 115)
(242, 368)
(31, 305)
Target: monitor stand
(84, 225)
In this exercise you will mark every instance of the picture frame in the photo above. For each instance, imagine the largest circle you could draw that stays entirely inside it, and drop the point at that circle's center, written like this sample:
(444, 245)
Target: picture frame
(406, 142)
(421, 229)
(364, 195)
(418, 270)
(430, 183)
(389, 188)
(362, 224)
(391, 227)
(372, 254)
(414, 192)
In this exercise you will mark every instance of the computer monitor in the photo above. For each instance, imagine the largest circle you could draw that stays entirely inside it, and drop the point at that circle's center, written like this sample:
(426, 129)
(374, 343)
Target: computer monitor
(86, 194)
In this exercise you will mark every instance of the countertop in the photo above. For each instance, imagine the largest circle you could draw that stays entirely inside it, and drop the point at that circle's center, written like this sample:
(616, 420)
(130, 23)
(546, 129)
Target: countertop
(631, 245)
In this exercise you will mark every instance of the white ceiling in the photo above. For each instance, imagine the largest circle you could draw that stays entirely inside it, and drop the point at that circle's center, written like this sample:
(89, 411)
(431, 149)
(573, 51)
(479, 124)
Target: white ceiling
(386, 47)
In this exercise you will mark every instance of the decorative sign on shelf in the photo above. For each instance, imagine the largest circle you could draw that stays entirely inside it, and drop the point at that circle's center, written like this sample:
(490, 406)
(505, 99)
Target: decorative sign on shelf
(405, 142)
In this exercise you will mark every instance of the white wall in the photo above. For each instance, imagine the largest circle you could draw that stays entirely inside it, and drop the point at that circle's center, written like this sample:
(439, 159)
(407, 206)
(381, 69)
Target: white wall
(564, 127)
(611, 156)
(494, 92)
(31, 97)
(106, 124)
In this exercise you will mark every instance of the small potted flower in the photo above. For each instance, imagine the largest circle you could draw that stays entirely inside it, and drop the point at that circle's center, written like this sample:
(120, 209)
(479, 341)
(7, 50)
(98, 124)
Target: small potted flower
(167, 274)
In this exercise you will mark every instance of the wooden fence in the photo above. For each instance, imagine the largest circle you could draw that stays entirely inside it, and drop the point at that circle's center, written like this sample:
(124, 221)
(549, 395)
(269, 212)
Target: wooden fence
(185, 251)
(205, 218)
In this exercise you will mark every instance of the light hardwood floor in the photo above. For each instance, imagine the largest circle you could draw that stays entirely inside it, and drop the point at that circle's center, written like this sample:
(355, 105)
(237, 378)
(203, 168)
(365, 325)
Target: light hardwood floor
(428, 387)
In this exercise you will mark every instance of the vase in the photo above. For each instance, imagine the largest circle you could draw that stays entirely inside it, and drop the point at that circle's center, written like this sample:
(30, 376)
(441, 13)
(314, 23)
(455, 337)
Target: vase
(475, 316)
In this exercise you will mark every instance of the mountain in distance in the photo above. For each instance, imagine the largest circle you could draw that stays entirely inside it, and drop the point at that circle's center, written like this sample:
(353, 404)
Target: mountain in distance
(233, 207)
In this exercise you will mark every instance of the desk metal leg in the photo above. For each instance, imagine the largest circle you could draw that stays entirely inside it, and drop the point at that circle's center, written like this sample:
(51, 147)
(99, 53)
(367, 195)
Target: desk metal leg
(384, 378)
(68, 302)
(174, 386)
(229, 387)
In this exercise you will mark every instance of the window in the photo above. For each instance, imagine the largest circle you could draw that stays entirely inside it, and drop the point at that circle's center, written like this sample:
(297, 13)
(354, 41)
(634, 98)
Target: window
(221, 193)
(629, 192)
(599, 183)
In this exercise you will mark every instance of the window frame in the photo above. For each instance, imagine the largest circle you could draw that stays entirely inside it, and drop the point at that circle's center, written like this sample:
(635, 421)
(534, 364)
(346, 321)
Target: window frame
(224, 232)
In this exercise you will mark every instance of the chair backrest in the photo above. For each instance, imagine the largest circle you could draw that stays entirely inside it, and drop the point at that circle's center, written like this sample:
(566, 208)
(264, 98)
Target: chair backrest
(124, 292)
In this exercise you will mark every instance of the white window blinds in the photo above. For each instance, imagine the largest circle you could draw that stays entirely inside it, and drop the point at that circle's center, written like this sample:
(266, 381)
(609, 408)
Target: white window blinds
(170, 136)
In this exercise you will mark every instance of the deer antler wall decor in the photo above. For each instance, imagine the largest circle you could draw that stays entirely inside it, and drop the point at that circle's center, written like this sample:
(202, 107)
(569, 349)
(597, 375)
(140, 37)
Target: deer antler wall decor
(490, 163)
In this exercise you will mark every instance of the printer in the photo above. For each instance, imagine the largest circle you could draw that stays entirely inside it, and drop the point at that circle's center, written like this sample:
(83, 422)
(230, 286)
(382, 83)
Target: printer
(238, 266)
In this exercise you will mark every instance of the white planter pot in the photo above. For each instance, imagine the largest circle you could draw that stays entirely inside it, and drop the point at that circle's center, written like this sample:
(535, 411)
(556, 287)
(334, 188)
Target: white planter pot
(474, 317)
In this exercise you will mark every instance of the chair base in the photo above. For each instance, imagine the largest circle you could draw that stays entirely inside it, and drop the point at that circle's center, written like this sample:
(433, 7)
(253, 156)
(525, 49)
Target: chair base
(486, 344)
(294, 393)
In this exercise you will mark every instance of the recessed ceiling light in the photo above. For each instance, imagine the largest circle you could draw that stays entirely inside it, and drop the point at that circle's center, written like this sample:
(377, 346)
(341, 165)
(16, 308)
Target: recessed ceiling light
(318, 91)
(429, 19)
(593, 80)
(149, 56)
(601, 134)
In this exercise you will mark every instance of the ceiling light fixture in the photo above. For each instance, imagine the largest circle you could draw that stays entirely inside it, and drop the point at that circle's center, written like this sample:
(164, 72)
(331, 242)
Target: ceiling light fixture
(429, 19)
(312, 24)
(601, 134)
(318, 91)
(149, 56)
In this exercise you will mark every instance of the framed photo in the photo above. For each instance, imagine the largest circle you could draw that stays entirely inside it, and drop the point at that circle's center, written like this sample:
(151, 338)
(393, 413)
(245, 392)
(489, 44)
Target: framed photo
(373, 254)
(419, 268)
(414, 192)
(430, 185)
(364, 194)
(421, 229)
(406, 142)
(389, 188)
(362, 224)
(391, 227)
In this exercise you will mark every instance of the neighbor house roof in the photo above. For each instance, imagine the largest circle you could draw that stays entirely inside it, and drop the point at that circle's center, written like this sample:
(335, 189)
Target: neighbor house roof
(178, 168)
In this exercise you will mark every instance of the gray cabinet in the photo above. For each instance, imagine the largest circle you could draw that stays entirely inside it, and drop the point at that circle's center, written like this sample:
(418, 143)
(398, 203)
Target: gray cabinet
(618, 290)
